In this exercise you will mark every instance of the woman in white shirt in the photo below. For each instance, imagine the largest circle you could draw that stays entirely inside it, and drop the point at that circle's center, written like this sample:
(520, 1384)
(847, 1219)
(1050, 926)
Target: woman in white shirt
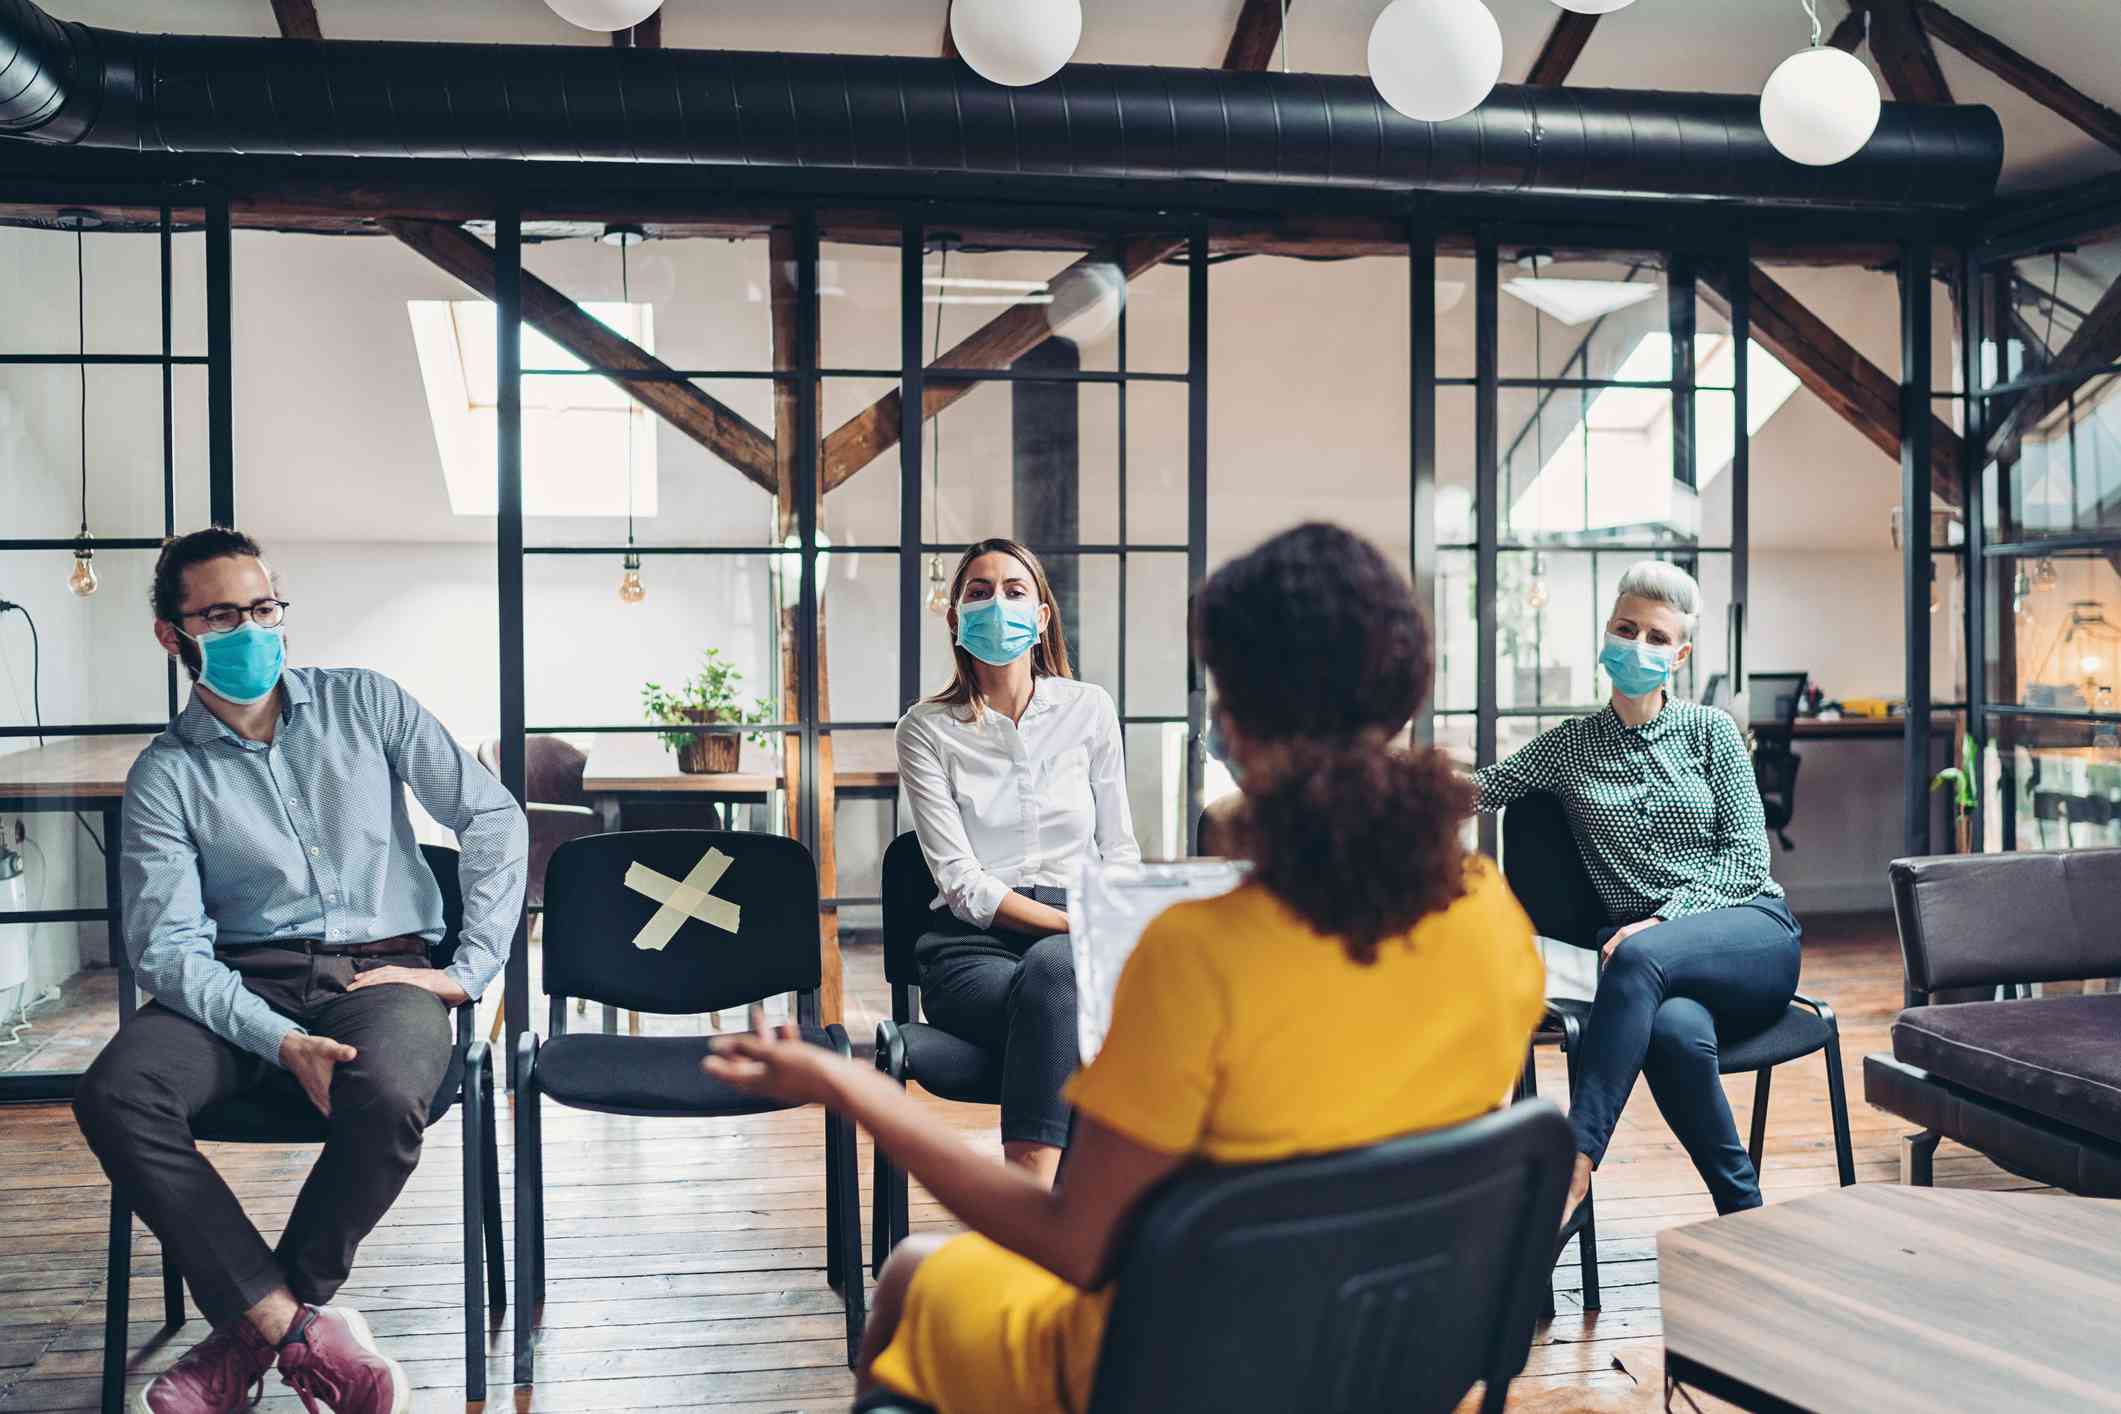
(1012, 774)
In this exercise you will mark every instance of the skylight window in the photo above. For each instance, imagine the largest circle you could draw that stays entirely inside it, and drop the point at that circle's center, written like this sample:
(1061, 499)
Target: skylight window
(1614, 468)
(575, 424)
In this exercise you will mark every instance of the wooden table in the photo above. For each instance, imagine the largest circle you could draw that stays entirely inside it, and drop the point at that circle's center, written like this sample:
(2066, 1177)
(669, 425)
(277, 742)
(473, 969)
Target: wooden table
(84, 773)
(1880, 1299)
(1840, 728)
(626, 770)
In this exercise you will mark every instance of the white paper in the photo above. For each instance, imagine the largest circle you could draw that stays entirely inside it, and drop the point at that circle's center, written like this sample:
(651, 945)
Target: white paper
(1108, 908)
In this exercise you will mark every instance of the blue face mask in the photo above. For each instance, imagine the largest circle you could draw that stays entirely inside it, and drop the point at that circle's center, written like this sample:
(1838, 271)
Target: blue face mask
(1636, 668)
(997, 631)
(243, 665)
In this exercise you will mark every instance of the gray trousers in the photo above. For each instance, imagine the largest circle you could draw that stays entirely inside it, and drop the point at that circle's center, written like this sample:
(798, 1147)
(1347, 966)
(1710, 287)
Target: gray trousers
(137, 1102)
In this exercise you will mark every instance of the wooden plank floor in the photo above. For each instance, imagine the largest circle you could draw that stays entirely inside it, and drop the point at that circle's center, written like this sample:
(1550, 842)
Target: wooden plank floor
(686, 1256)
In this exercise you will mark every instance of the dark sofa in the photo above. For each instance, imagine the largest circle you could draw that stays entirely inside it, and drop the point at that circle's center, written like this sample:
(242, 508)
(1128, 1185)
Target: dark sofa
(2034, 1082)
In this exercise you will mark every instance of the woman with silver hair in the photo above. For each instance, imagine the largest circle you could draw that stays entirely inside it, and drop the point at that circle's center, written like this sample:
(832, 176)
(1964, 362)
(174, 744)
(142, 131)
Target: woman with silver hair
(1661, 799)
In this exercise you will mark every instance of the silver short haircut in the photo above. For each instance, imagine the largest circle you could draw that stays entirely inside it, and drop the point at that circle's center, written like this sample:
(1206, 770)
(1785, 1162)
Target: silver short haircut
(1662, 582)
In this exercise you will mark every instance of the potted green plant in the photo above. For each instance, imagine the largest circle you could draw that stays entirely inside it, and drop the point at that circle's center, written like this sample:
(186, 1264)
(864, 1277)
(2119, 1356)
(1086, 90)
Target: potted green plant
(713, 695)
(1961, 780)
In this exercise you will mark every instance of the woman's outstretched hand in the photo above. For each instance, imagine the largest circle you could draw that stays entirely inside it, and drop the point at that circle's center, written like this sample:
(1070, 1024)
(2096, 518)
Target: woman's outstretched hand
(775, 1062)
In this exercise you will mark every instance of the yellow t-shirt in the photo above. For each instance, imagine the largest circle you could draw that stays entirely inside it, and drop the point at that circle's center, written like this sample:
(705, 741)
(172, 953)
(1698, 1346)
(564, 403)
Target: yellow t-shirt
(1239, 1035)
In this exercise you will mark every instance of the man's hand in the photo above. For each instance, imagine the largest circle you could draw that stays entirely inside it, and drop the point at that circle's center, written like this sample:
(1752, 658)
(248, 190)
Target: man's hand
(1626, 933)
(431, 979)
(311, 1060)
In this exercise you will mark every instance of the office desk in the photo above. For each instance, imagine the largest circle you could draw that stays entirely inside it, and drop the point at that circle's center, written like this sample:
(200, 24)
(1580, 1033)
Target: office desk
(1858, 728)
(85, 773)
(639, 770)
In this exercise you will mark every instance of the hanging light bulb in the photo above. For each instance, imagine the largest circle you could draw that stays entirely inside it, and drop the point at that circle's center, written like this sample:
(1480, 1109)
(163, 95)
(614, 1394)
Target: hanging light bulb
(2045, 577)
(1536, 593)
(1435, 60)
(1936, 599)
(82, 581)
(631, 590)
(1016, 42)
(1821, 104)
(938, 587)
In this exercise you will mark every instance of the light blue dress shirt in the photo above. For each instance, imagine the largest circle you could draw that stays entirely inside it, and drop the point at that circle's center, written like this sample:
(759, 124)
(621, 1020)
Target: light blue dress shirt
(230, 842)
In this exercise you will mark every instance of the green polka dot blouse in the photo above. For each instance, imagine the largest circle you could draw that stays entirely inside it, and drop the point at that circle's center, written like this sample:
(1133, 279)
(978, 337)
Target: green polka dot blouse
(1667, 815)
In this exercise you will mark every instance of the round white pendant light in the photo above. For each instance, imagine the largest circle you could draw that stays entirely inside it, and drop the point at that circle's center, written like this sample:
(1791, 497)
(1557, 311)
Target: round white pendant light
(604, 15)
(1820, 106)
(1435, 60)
(1016, 42)
(1594, 7)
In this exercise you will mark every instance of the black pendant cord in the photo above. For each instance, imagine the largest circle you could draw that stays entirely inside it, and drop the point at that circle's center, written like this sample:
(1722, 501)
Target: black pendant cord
(626, 299)
(935, 424)
(81, 332)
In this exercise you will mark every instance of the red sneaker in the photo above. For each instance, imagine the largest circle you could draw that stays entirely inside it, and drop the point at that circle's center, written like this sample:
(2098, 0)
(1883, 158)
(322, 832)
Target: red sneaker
(331, 1355)
(222, 1374)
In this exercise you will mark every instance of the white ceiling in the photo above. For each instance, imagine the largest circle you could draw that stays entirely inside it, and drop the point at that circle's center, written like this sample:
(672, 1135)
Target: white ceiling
(1725, 46)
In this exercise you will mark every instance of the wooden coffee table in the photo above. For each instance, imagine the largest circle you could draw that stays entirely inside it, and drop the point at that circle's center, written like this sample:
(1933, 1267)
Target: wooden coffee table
(1879, 1298)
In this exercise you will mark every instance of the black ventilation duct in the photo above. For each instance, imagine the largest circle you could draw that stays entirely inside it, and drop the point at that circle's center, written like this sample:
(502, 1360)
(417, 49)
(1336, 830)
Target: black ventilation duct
(75, 84)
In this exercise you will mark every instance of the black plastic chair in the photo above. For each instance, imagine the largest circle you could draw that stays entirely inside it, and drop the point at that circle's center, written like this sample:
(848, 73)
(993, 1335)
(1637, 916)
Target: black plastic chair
(1775, 773)
(1395, 1277)
(280, 1113)
(1546, 872)
(1774, 699)
(591, 921)
(907, 1048)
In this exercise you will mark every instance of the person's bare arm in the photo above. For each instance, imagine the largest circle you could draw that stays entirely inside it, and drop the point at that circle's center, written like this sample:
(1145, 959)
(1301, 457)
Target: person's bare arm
(1018, 914)
(1073, 1230)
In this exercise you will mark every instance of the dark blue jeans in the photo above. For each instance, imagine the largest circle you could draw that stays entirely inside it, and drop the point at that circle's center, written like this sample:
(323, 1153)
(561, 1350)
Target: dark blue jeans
(1665, 996)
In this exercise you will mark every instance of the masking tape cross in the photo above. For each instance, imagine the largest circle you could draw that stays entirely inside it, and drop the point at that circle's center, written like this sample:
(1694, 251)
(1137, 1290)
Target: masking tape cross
(690, 899)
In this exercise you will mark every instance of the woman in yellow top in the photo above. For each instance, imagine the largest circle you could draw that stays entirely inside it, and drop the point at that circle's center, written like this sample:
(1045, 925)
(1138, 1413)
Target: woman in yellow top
(1371, 979)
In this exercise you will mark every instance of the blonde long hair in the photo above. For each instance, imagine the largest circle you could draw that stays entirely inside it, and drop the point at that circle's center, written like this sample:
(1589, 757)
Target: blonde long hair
(1049, 656)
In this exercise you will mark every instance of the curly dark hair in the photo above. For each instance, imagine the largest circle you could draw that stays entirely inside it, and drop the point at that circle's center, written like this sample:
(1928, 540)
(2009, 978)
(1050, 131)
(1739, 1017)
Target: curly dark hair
(1316, 644)
(181, 552)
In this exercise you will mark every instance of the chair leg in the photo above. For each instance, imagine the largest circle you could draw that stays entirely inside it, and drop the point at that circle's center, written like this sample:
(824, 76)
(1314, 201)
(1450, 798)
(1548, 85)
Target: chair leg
(1587, 1249)
(527, 1198)
(1918, 1153)
(834, 1274)
(1494, 1396)
(1763, 1079)
(847, 1199)
(117, 1303)
(490, 1203)
(1837, 1101)
(473, 1103)
(879, 1211)
(172, 1293)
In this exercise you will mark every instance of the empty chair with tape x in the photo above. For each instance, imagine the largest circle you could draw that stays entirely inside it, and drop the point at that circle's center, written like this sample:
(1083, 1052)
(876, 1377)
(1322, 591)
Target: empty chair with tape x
(673, 922)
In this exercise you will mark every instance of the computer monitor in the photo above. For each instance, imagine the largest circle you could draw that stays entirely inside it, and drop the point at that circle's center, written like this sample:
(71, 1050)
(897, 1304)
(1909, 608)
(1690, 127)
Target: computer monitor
(1718, 691)
(1772, 698)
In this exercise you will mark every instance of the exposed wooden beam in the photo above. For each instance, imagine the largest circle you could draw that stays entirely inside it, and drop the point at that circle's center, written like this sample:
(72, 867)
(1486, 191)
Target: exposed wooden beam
(720, 429)
(997, 344)
(2096, 343)
(1254, 37)
(648, 34)
(298, 19)
(1559, 54)
(2039, 84)
(949, 44)
(1865, 396)
(1902, 48)
(1851, 31)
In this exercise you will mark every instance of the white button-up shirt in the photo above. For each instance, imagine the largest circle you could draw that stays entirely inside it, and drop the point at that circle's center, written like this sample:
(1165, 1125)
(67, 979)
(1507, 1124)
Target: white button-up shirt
(1000, 805)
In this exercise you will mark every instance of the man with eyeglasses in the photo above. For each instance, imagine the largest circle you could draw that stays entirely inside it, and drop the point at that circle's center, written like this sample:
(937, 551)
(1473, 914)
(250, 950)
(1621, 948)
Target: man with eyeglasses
(277, 906)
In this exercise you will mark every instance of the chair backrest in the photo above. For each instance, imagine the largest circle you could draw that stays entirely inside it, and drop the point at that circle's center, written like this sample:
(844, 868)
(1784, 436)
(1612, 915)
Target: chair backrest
(1389, 1277)
(909, 893)
(442, 862)
(594, 921)
(1545, 870)
(1717, 693)
(1977, 920)
(1772, 700)
(1775, 772)
(552, 768)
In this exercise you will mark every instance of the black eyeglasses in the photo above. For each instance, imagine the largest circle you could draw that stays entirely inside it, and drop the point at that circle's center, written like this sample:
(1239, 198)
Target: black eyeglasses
(225, 618)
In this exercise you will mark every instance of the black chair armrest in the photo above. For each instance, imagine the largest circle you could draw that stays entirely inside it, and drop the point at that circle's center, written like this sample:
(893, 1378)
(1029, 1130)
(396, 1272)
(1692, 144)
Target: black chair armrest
(526, 1061)
(477, 1056)
(467, 1025)
(837, 1034)
(891, 1050)
(1817, 1007)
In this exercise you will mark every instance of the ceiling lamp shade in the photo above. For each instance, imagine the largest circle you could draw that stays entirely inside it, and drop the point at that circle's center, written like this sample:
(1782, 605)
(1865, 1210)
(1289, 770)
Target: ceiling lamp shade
(1016, 42)
(604, 15)
(1087, 299)
(1435, 60)
(1820, 106)
(1594, 7)
(1576, 302)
